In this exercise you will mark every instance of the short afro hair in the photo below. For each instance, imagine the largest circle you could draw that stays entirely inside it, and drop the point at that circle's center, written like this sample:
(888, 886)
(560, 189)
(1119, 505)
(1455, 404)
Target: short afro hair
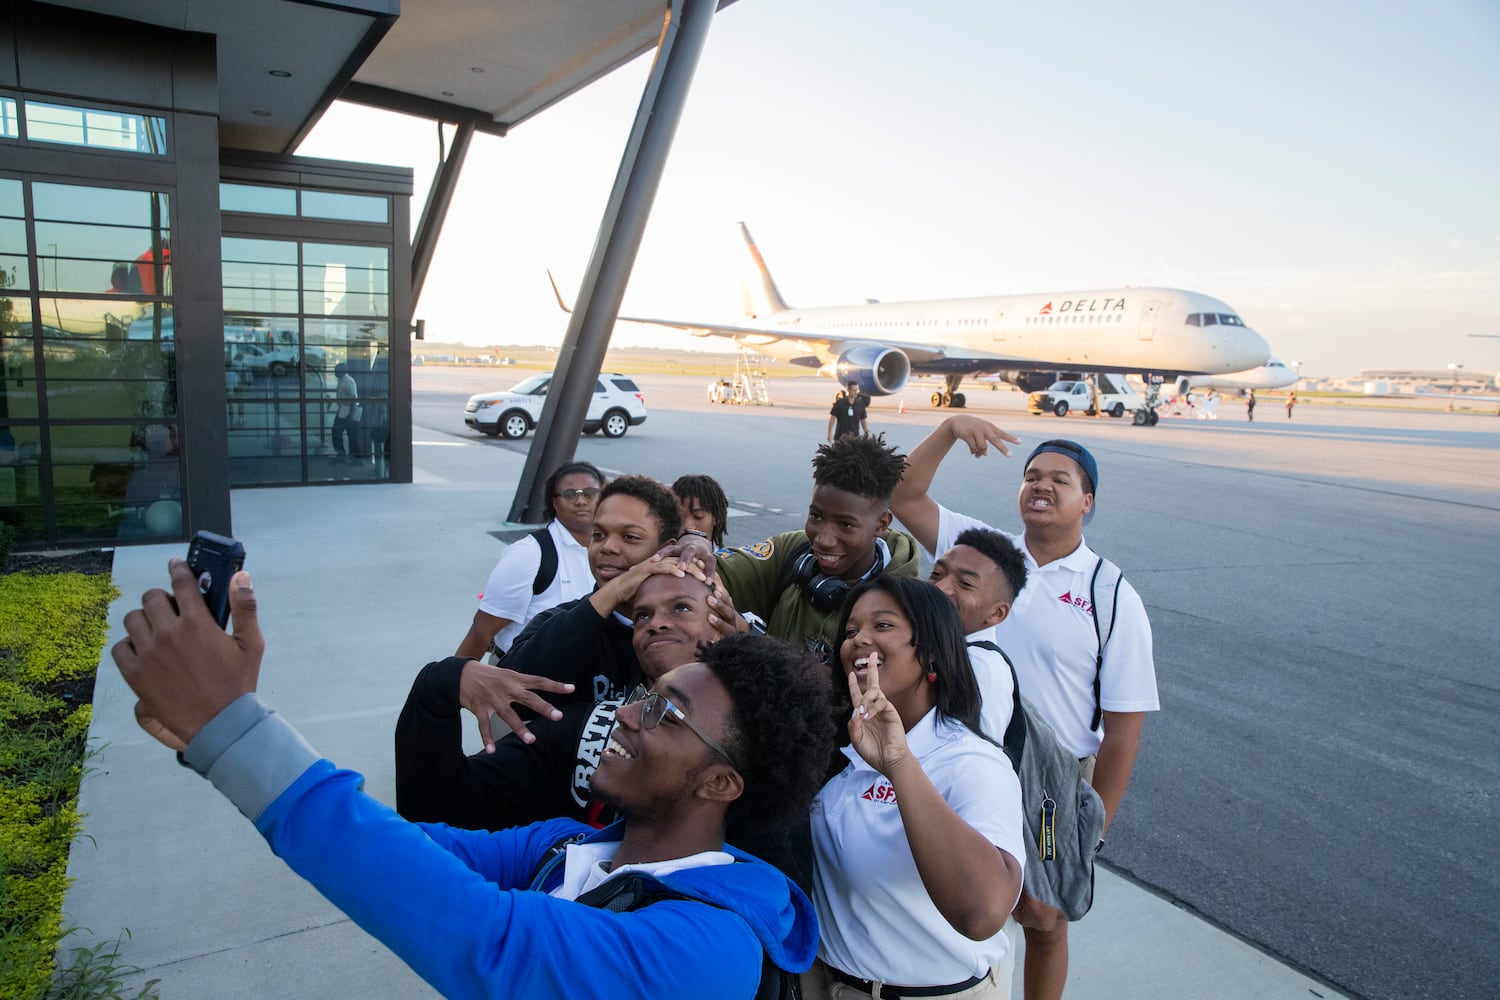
(999, 550)
(657, 498)
(864, 466)
(781, 730)
(707, 491)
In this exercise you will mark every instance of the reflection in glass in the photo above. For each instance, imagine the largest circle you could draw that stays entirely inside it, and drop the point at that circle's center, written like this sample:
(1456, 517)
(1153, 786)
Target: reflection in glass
(351, 207)
(9, 124)
(77, 258)
(100, 206)
(116, 481)
(257, 199)
(260, 276)
(341, 280)
(117, 131)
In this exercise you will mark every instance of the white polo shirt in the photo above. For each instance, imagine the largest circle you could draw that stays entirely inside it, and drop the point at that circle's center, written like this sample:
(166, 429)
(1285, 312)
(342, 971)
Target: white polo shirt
(995, 685)
(875, 918)
(507, 593)
(1049, 636)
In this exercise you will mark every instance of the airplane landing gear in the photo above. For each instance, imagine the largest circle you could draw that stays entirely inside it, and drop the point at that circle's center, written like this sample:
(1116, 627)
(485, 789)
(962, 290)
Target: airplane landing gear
(952, 397)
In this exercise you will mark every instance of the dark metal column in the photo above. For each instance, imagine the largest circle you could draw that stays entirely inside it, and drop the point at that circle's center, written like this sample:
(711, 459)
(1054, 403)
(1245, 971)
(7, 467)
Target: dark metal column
(439, 197)
(582, 354)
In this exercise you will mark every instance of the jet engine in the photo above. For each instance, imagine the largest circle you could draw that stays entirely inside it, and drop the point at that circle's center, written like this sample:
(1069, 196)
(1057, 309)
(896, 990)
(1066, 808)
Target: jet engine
(1030, 381)
(879, 371)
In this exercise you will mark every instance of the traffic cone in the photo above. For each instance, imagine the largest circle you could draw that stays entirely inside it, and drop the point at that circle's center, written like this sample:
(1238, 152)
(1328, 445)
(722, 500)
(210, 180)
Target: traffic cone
(902, 408)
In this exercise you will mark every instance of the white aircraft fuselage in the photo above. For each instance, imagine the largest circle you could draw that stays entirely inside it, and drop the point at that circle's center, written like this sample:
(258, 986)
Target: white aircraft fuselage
(1274, 374)
(1026, 338)
(1112, 329)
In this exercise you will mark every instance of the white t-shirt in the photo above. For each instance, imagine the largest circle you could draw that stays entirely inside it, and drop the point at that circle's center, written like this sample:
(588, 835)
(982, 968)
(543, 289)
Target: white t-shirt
(1049, 636)
(584, 866)
(995, 686)
(507, 593)
(874, 915)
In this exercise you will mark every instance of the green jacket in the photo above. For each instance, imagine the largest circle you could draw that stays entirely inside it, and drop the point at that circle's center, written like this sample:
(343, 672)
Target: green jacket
(751, 575)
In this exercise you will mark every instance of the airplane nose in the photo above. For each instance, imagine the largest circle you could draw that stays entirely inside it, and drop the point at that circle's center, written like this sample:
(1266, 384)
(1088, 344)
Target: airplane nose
(1245, 349)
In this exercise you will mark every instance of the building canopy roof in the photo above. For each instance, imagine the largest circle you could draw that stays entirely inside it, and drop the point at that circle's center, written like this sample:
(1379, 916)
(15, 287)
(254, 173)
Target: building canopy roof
(493, 62)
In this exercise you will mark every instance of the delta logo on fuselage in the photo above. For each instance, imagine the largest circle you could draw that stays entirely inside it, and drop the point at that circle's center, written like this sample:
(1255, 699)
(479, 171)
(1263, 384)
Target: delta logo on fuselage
(1084, 305)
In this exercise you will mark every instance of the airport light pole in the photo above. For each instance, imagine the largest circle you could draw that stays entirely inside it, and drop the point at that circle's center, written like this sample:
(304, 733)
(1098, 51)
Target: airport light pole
(1455, 368)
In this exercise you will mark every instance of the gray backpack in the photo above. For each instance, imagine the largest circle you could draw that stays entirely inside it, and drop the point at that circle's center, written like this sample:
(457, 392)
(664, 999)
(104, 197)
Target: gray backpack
(1063, 814)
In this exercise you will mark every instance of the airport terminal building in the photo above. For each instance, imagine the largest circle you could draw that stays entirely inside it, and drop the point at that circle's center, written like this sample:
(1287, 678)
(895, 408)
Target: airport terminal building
(185, 306)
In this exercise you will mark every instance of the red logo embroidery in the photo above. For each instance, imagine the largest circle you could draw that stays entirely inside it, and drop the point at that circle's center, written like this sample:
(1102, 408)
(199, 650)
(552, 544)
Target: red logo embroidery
(880, 792)
(1078, 602)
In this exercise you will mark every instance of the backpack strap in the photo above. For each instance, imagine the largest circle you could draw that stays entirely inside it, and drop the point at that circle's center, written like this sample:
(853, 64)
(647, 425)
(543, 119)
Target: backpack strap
(1109, 576)
(546, 572)
(1014, 742)
(633, 890)
(551, 859)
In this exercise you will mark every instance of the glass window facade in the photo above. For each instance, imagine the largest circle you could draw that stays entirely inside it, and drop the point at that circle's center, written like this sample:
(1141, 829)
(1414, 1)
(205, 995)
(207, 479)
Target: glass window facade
(306, 354)
(88, 410)
(116, 131)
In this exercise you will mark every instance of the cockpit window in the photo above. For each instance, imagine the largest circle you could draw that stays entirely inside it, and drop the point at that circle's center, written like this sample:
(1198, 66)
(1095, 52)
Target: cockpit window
(1230, 319)
(1195, 319)
(1209, 319)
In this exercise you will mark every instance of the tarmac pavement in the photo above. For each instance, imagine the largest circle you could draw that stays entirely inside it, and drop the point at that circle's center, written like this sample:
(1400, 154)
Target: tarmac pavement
(358, 587)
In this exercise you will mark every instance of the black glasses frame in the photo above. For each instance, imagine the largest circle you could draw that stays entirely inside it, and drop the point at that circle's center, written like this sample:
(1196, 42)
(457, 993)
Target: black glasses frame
(655, 707)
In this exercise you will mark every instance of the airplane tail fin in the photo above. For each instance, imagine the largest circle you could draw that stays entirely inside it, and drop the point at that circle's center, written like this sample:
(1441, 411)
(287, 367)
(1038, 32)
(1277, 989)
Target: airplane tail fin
(762, 298)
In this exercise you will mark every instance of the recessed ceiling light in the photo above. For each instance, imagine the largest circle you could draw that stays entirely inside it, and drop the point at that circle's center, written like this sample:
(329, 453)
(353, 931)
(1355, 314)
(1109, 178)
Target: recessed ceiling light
(280, 72)
(262, 114)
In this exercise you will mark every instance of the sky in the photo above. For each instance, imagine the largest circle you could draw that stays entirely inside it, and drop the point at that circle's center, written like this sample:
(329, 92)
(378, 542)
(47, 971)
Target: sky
(1328, 169)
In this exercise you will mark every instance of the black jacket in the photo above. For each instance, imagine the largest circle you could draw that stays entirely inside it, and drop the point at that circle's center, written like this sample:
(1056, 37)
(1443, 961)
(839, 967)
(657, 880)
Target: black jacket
(572, 642)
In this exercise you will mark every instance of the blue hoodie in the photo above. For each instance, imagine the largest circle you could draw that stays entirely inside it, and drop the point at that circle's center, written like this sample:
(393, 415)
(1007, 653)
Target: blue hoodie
(453, 905)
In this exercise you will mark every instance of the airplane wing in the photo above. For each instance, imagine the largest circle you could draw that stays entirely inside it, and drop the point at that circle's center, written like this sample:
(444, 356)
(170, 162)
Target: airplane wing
(935, 357)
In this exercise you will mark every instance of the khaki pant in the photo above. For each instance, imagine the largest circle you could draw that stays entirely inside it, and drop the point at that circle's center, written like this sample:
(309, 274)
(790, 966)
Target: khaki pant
(817, 984)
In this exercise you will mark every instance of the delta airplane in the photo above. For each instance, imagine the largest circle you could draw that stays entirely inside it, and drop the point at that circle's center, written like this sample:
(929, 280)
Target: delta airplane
(1274, 374)
(1027, 339)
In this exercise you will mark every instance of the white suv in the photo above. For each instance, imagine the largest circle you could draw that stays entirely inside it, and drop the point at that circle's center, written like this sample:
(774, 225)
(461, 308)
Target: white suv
(618, 404)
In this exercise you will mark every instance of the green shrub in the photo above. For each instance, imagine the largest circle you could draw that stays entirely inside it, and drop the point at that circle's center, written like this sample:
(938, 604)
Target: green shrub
(52, 630)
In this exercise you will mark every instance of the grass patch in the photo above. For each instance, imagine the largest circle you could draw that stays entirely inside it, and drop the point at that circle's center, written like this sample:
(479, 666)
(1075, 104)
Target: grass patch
(52, 630)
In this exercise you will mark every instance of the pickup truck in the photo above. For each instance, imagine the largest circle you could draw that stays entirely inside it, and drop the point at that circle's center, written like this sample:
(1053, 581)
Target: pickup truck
(1116, 397)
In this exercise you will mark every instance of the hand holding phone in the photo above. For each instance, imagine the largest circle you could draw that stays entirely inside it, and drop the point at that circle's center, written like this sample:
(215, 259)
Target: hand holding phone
(214, 559)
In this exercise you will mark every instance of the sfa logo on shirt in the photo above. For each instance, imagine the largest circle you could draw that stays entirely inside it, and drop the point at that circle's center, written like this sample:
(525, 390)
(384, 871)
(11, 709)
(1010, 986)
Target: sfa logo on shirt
(1081, 603)
(881, 792)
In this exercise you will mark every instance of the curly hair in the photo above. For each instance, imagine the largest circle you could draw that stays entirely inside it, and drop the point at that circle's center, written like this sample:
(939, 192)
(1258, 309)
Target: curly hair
(779, 729)
(999, 550)
(864, 466)
(937, 636)
(707, 491)
(568, 469)
(657, 498)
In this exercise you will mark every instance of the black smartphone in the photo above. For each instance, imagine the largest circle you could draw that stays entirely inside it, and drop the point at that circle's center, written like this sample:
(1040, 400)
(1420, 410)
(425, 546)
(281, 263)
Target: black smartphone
(214, 560)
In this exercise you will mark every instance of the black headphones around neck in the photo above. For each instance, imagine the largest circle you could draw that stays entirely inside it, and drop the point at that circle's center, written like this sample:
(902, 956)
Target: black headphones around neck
(825, 593)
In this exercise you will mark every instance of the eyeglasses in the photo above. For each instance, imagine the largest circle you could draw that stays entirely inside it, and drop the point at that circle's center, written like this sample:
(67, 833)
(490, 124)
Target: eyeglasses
(587, 493)
(656, 706)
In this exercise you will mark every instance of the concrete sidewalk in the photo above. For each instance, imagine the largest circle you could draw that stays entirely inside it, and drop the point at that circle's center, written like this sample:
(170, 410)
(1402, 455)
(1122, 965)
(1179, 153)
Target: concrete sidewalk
(358, 587)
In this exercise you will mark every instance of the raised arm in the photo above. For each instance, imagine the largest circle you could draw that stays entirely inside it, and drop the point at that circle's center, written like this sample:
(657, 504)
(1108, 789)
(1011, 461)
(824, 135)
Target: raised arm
(973, 883)
(912, 503)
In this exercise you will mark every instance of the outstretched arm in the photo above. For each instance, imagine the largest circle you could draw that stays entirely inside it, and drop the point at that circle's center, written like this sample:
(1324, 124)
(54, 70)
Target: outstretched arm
(911, 502)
